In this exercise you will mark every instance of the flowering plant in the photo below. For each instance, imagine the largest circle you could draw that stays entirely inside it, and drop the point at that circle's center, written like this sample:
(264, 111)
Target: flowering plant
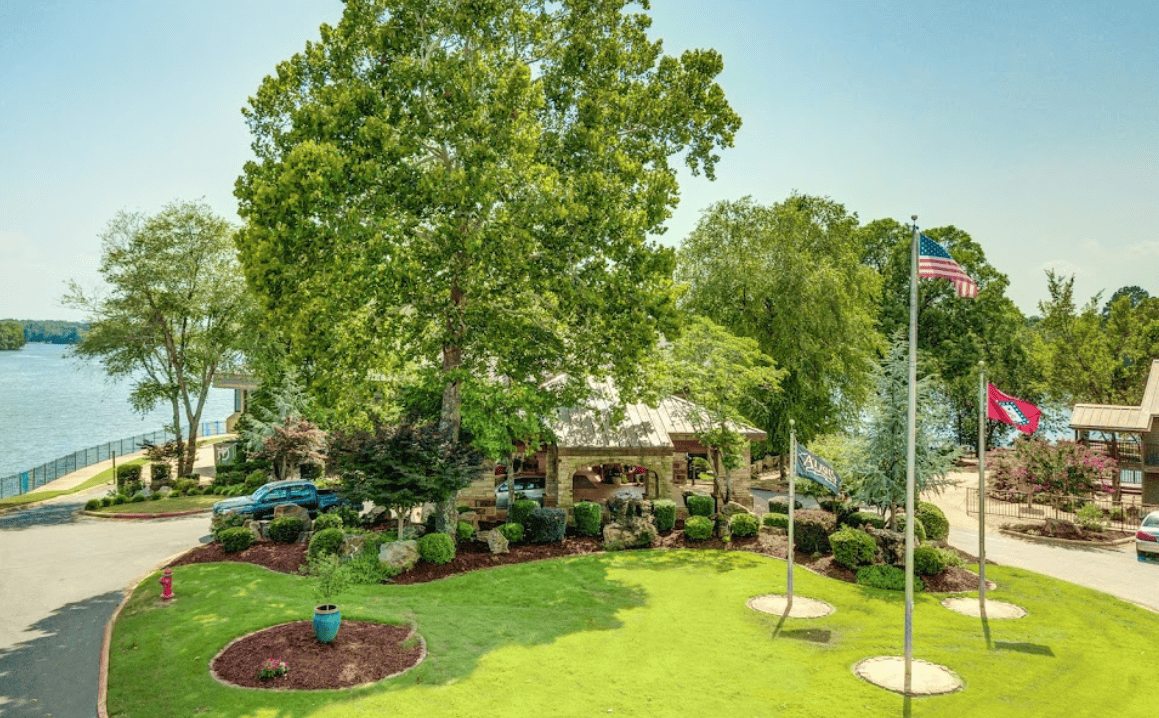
(272, 668)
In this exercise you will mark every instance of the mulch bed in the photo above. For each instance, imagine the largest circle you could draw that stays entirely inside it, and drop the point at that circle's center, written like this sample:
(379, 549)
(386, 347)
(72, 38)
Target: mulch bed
(362, 652)
(281, 557)
(1068, 531)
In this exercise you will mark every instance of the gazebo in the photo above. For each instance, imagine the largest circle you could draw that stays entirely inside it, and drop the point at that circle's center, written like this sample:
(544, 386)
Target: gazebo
(1129, 434)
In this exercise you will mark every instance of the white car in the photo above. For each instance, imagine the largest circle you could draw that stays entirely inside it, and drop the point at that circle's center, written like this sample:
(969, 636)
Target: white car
(1147, 538)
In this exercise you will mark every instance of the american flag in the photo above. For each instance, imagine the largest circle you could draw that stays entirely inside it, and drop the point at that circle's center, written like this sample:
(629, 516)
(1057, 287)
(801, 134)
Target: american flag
(934, 262)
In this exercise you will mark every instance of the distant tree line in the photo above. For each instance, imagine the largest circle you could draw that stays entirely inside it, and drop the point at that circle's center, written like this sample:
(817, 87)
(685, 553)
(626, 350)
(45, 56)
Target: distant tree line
(48, 331)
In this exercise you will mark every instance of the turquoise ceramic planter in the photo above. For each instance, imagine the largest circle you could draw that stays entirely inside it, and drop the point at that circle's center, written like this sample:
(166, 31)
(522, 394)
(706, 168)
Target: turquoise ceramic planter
(327, 619)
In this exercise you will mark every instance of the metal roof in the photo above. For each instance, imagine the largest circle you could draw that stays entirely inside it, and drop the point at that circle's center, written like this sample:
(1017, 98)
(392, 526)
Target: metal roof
(1101, 417)
(643, 427)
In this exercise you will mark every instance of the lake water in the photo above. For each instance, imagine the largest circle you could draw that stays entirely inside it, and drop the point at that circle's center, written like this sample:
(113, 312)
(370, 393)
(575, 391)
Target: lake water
(52, 405)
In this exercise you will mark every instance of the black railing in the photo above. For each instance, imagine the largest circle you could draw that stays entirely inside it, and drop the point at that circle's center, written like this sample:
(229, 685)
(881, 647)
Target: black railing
(1124, 515)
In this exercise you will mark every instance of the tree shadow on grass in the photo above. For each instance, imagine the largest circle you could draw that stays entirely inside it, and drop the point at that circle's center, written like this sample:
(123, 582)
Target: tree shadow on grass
(716, 561)
(57, 674)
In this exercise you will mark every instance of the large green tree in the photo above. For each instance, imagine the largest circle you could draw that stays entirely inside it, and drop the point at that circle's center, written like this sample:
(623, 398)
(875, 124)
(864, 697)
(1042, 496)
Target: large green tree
(955, 333)
(469, 188)
(791, 277)
(171, 314)
(11, 335)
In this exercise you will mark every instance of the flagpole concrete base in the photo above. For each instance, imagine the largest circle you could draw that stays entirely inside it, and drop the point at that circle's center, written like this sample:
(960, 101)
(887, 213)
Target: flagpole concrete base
(776, 603)
(926, 679)
(994, 609)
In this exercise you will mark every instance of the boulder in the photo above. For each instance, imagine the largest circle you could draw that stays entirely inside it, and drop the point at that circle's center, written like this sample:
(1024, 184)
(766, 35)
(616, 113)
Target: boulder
(294, 510)
(377, 515)
(470, 517)
(165, 490)
(256, 528)
(497, 542)
(399, 556)
(732, 508)
(638, 534)
(890, 545)
(352, 545)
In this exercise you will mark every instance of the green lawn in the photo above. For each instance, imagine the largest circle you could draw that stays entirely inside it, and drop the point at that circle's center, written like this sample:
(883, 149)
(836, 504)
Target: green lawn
(164, 505)
(103, 477)
(645, 634)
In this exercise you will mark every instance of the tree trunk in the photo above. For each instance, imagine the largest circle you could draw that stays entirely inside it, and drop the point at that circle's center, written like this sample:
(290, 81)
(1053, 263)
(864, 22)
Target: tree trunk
(451, 417)
(510, 483)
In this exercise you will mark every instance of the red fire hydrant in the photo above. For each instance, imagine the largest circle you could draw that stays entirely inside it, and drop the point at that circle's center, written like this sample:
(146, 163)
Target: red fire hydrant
(167, 583)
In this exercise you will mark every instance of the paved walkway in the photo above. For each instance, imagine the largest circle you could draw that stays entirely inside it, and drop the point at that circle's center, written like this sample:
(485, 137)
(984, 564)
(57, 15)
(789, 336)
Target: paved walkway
(62, 575)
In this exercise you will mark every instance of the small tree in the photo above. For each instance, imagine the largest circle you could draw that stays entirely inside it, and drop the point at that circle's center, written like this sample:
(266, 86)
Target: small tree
(297, 441)
(400, 467)
(883, 464)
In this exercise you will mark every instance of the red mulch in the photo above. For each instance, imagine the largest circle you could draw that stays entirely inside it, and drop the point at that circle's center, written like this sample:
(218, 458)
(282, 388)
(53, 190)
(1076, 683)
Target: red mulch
(472, 555)
(1069, 531)
(281, 557)
(362, 652)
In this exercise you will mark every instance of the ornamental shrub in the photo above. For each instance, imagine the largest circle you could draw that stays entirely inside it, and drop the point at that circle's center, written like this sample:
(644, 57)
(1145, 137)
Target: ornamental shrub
(520, 510)
(545, 525)
(184, 486)
(437, 548)
(779, 521)
(92, 504)
(255, 480)
(285, 529)
(1090, 517)
(919, 528)
(891, 578)
(128, 472)
(160, 473)
(351, 517)
(852, 547)
(664, 511)
(744, 525)
(464, 531)
(236, 539)
(860, 518)
(698, 528)
(328, 521)
(928, 561)
(588, 517)
(327, 541)
(780, 505)
(120, 499)
(154, 497)
(107, 501)
(137, 499)
(512, 532)
(933, 519)
(811, 531)
(699, 505)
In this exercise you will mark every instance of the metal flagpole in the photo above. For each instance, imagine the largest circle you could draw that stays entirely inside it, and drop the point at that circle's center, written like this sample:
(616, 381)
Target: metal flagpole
(982, 405)
(792, 501)
(910, 460)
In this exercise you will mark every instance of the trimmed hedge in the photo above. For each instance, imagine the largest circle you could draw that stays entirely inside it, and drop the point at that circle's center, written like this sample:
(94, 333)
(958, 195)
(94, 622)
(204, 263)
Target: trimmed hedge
(328, 521)
(520, 510)
(934, 520)
(858, 519)
(128, 472)
(664, 511)
(852, 547)
(780, 505)
(928, 560)
(327, 541)
(545, 525)
(891, 578)
(285, 529)
(780, 521)
(588, 517)
(698, 528)
(919, 528)
(137, 499)
(464, 531)
(811, 531)
(437, 548)
(92, 504)
(744, 525)
(236, 539)
(513, 532)
(699, 505)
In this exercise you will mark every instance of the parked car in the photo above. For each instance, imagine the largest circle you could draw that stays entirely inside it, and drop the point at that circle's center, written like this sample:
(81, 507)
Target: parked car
(1147, 538)
(526, 487)
(260, 505)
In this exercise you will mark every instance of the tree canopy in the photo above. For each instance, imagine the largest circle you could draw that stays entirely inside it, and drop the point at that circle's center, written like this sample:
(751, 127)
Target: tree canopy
(791, 277)
(11, 335)
(175, 297)
(469, 188)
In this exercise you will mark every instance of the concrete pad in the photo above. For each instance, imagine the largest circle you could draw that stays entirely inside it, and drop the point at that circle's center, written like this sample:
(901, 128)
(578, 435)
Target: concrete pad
(994, 609)
(774, 603)
(926, 679)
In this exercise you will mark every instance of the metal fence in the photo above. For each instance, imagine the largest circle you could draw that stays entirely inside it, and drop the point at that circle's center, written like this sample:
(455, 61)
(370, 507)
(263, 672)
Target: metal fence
(25, 481)
(1123, 516)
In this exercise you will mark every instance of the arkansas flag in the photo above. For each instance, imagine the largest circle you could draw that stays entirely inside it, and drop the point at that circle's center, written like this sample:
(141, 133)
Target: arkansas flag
(1016, 412)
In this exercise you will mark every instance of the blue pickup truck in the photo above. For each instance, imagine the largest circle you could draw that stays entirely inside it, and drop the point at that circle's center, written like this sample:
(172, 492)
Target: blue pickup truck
(260, 504)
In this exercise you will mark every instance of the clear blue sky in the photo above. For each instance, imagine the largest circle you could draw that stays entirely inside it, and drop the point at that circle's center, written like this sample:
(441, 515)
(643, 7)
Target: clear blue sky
(1032, 125)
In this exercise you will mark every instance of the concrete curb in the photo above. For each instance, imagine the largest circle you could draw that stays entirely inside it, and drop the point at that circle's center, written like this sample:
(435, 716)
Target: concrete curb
(1066, 542)
(103, 678)
(50, 500)
(163, 515)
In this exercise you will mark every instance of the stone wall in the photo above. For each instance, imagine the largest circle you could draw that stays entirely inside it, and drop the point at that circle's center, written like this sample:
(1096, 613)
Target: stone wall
(566, 462)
